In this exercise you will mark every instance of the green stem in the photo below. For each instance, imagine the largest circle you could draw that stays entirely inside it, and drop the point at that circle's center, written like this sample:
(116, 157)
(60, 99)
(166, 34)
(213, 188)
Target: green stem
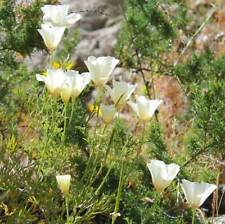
(65, 119)
(93, 155)
(50, 118)
(51, 57)
(47, 113)
(142, 73)
(94, 166)
(103, 132)
(141, 141)
(143, 133)
(106, 155)
(103, 181)
(193, 216)
(72, 111)
(97, 105)
(119, 193)
(67, 208)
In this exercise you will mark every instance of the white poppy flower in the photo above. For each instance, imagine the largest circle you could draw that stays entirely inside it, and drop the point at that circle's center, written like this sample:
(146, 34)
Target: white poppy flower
(196, 193)
(101, 68)
(107, 113)
(120, 92)
(51, 35)
(53, 81)
(64, 183)
(162, 174)
(144, 108)
(74, 84)
(57, 15)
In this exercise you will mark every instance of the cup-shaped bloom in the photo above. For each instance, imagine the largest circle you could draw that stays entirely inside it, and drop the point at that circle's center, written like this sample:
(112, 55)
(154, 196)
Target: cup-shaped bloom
(53, 81)
(101, 68)
(120, 92)
(64, 183)
(108, 113)
(57, 15)
(196, 193)
(144, 108)
(51, 35)
(74, 84)
(162, 174)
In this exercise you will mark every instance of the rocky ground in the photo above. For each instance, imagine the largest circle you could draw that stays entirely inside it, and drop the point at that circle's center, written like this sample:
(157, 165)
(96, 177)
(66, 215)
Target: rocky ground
(99, 26)
(218, 220)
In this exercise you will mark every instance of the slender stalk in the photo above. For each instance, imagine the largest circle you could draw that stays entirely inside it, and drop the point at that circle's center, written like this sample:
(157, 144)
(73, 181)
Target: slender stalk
(51, 57)
(142, 73)
(88, 167)
(96, 106)
(136, 126)
(90, 116)
(104, 180)
(119, 193)
(143, 133)
(93, 168)
(106, 154)
(46, 101)
(103, 132)
(109, 144)
(92, 156)
(72, 111)
(65, 120)
(93, 179)
(193, 216)
(50, 118)
(67, 208)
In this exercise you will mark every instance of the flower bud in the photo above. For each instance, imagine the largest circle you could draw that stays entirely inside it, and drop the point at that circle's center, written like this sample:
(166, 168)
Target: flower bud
(64, 183)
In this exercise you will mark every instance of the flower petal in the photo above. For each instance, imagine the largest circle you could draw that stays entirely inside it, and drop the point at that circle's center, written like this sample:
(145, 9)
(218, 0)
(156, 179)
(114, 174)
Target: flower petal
(41, 78)
(73, 18)
(134, 107)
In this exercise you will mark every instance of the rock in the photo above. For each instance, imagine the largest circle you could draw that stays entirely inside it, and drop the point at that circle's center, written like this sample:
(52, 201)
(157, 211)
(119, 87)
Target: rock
(38, 60)
(97, 43)
(109, 7)
(217, 220)
(99, 27)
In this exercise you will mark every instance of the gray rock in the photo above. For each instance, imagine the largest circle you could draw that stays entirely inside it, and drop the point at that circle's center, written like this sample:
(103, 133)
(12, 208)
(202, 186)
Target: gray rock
(217, 220)
(99, 26)
(98, 43)
(37, 60)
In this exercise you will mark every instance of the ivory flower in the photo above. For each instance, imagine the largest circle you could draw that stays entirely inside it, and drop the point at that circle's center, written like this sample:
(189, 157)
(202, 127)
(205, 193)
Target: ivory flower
(74, 84)
(162, 174)
(57, 15)
(120, 92)
(196, 193)
(144, 108)
(101, 68)
(107, 113)
(53, 81)
(64, 183)
(51, 35)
